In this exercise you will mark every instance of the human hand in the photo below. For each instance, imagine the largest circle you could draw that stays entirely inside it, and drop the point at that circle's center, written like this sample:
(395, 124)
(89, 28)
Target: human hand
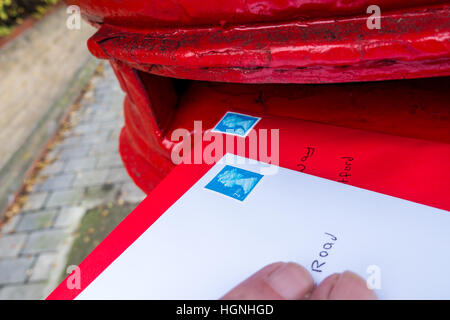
(290, 281)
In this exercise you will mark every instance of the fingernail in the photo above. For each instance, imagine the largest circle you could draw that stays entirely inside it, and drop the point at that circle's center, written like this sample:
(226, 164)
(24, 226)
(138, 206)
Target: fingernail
(349, 285)
(291, 281)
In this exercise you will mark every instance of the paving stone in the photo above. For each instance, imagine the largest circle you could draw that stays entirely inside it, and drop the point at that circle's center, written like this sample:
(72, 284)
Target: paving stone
(109, 148)
(77, 165)
(10, 245)
(97, 104)
(131, 193)
(115, 134)
(43, 267)
(105, 116)
(54, 168)
(35, 201)
(56, 182)
(71, 141)
(39, 220)
(106, 150)
(97, 195)
(96, 153)
(90, 178)
(109, 161)
(44, 241)
(23, 292)
(74, 152)
(111, 125)
(65, 198)
(97, 138)
(69, 217)
(11, 225)
(15, 270)
(89, 127)
(117, 175)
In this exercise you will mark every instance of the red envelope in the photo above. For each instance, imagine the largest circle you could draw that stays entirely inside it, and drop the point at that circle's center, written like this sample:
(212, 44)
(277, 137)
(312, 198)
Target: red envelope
(414, 170)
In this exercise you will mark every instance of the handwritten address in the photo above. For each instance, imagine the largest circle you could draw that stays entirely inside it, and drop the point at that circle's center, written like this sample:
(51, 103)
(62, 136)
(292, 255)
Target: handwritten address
(318, 264)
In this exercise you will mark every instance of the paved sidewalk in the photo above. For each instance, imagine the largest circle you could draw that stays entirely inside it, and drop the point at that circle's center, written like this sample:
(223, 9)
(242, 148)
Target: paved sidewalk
(83, 170)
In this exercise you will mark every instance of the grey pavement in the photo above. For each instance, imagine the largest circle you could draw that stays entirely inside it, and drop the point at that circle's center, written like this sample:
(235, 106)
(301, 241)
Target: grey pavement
(82, 170)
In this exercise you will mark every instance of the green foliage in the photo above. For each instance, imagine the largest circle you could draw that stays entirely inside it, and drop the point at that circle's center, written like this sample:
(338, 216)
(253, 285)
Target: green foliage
(12, 12)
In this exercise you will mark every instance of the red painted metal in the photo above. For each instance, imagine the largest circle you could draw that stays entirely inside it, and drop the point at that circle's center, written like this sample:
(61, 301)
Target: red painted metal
(176, 13)
(279, 46)
(414, 44)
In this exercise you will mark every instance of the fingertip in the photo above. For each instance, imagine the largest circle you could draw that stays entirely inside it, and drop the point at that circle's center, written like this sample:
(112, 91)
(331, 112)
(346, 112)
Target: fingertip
(280, 280)
(291, 281)
(345, 286)
(324, 290)
(255, 287)
(352, 286)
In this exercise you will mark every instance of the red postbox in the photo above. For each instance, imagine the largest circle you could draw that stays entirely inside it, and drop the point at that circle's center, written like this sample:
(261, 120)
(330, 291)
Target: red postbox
(329, 61)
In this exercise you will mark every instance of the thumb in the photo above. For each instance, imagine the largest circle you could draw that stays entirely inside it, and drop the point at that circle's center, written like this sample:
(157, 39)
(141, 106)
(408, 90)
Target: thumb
(278, 281)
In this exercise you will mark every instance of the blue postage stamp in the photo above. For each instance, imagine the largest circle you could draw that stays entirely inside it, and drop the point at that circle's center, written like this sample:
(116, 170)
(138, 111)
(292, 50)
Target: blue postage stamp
(236, 124)
(234, 182)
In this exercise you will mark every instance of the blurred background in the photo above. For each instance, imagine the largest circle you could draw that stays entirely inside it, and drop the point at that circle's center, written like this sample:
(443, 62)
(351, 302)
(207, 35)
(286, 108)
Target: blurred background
(62, 184)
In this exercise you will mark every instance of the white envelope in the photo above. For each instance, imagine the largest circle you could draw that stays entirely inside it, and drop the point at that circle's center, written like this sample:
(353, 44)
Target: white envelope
(208, 242)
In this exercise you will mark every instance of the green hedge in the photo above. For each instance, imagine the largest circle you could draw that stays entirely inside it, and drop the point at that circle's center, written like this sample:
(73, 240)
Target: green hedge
(12, 12)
